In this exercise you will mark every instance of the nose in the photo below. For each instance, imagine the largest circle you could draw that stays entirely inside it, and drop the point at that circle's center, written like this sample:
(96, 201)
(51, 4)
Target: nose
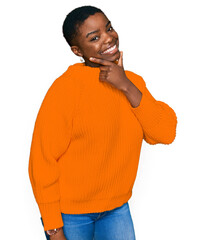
(107, 38)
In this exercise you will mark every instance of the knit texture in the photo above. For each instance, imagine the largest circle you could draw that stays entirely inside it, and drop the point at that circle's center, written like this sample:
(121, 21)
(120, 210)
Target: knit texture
(86, 143)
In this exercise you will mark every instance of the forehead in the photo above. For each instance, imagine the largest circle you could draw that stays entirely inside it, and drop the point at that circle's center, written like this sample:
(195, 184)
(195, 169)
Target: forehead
(92, 23)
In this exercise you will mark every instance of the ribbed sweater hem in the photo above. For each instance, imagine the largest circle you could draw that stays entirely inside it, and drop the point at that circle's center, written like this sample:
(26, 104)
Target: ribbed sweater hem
(94, 205)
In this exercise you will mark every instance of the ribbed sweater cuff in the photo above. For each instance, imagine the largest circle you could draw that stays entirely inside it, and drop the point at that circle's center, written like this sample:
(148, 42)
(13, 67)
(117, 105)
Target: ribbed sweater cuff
(149, 112)
(51, 215)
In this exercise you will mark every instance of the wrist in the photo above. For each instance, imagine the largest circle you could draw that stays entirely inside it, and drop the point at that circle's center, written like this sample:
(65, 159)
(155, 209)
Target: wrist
(52, 232)
(133, 94)
(126, 84)
(58, 236)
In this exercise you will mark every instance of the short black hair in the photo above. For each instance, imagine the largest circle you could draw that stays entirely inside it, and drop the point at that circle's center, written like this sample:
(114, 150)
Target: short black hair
(74, 19)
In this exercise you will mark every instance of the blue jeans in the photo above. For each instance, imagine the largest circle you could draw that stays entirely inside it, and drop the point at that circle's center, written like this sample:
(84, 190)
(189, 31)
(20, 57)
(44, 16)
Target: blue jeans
(115, 224)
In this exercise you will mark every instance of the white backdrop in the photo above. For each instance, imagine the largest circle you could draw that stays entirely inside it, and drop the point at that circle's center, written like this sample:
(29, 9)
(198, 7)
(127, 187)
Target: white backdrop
(159, 40)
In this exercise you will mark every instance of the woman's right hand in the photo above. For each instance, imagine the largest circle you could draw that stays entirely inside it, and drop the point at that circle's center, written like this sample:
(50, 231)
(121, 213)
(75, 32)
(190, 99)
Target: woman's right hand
(58, 236)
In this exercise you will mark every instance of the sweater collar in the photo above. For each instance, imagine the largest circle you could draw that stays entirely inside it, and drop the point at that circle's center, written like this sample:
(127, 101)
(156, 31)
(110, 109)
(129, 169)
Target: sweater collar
(82, 66)
(80, 69)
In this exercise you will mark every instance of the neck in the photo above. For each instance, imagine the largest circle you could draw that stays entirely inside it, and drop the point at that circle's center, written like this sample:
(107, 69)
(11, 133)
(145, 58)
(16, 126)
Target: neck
(91, 64)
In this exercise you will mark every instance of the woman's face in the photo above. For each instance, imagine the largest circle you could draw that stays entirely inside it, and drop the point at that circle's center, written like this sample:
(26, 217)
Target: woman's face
(96, 38)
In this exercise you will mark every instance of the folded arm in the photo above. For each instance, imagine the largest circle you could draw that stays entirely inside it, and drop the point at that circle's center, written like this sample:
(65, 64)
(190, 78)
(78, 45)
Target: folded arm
(158, 120)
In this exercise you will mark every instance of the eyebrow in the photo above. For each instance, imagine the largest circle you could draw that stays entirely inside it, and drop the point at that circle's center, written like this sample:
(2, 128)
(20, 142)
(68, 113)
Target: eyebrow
(97, 30)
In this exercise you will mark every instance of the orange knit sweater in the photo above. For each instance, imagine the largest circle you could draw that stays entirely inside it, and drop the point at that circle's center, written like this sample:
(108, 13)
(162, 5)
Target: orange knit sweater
(86, 143)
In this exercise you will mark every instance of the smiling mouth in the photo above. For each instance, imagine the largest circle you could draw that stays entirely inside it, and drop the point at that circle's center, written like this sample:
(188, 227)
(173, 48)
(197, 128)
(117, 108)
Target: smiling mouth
(110, 50)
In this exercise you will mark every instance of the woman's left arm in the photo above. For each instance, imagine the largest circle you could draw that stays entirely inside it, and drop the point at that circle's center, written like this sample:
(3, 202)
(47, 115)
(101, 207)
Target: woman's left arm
(158, 120)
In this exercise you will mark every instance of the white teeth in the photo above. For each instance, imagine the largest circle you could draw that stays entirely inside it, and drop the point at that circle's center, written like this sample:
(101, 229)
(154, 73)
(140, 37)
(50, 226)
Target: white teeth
(110, 49)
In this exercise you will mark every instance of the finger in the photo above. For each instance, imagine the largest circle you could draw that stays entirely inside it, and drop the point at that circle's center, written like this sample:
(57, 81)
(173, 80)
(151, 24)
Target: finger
(102, 78)
(120, 61)
(104, 68)
(101, 61)
(103, 74)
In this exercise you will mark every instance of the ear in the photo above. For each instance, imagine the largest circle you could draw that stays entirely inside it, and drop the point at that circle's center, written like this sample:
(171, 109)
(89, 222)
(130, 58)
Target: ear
(76, 50)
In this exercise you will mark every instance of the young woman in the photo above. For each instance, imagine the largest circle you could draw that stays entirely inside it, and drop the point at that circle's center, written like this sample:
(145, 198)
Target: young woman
(88, 135)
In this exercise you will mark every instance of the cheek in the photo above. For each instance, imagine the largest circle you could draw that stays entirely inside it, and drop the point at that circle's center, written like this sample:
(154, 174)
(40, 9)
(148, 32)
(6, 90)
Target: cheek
(96, 46)
(94, 49)
(90, 52)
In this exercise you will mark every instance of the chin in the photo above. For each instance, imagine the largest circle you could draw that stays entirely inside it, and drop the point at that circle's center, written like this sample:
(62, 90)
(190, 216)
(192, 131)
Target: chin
(114, 57)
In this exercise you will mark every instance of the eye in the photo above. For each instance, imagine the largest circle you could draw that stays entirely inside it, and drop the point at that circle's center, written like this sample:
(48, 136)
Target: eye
(94, 38)
(110, 28)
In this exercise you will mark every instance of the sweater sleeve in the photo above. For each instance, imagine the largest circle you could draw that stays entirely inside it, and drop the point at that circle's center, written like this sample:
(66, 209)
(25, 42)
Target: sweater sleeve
(158, 119)
(51, 137)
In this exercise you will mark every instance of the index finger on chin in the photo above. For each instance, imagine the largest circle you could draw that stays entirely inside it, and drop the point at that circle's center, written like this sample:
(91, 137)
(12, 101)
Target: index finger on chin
(100, 61)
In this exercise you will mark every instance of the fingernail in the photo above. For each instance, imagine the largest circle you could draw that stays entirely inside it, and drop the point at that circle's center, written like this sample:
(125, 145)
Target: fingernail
(91, 58)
